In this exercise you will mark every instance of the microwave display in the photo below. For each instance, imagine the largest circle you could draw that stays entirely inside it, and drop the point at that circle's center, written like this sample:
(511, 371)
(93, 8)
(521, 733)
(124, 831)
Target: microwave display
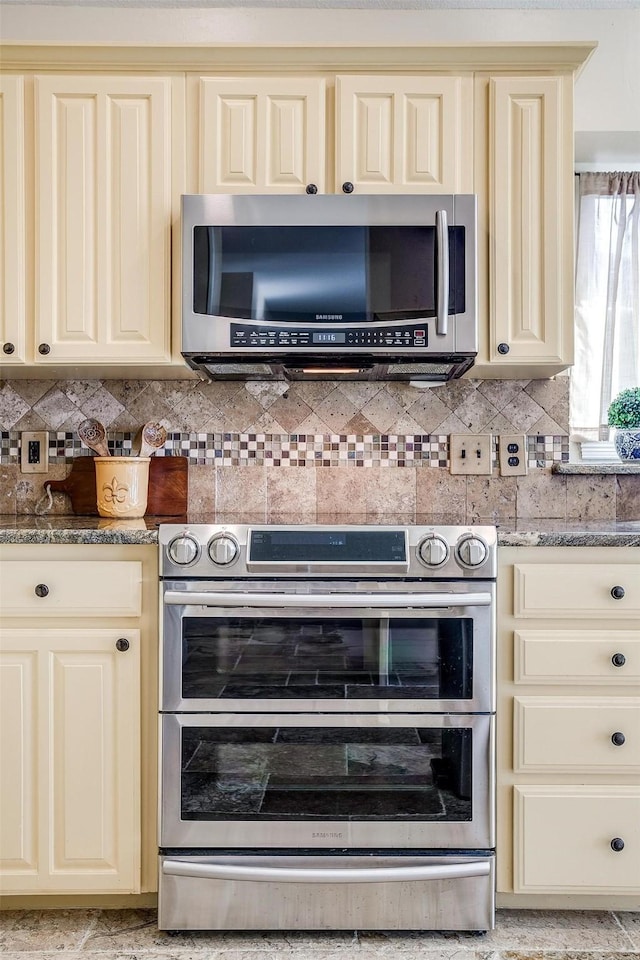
(323, 274)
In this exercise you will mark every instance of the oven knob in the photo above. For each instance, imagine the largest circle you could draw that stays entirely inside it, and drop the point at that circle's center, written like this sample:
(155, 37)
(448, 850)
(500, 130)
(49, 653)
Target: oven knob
(471, 551)
(433, 551)
(183, 550)
(223, 549)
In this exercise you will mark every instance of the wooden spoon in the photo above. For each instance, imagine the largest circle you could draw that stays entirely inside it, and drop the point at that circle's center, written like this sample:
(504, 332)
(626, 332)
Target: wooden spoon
(154, 436)
(93, 435)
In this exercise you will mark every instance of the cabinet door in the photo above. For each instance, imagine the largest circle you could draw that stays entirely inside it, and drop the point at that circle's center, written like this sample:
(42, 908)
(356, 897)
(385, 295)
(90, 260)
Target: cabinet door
(405, 134)
(531, 222)
(12, 221)
(70, 788)
(103, 205)
(563, 839)
(261, 135)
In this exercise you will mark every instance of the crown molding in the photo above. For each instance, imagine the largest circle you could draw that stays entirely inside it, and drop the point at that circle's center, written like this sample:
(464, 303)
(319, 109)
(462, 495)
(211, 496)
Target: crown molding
(293, 58)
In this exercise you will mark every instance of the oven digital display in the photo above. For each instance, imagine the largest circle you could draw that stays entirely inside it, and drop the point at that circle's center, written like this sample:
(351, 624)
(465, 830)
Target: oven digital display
(342, 546)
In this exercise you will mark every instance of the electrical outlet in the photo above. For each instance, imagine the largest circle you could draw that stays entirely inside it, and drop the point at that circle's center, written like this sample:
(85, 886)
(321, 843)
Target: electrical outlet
(34, 451)
(471, 453)
(513, 455)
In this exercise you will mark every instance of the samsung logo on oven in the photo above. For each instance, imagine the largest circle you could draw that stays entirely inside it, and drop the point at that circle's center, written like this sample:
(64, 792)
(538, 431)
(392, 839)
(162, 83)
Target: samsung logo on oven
(326, 836)
(329, 316)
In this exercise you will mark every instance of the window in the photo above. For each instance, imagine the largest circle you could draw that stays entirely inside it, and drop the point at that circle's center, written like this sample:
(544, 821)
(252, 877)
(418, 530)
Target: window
(607, 302)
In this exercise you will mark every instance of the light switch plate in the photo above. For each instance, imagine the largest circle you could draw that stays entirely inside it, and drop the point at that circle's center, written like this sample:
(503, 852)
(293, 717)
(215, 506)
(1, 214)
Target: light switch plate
(34, 451)
(512, 455)
(471, 454)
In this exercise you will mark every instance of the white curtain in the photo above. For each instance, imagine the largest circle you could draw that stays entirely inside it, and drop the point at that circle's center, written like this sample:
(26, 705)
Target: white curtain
(607, 315)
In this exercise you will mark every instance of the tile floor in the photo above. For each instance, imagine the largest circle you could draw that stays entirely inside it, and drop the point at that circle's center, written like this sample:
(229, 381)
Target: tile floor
(133, 935)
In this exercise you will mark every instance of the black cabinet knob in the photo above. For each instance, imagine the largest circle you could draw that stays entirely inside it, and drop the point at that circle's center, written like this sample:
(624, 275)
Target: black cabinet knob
(503, 348)
(617, 739)
(617, 844)
(122, 644)
(42, 590)
(44, 349)
(311, 188)
(8, 348)
(347, 187)
(617, 593)
(618, 659)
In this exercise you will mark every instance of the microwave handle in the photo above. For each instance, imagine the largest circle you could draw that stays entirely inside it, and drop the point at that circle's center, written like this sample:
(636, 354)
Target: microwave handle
(442, 287)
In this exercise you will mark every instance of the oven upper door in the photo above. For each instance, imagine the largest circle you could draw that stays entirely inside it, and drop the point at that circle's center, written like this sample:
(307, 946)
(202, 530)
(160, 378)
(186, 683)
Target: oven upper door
(332, 646)
(312, 780)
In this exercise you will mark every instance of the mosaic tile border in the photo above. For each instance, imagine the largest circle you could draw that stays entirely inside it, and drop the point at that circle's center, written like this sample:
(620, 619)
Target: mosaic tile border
(293, 450)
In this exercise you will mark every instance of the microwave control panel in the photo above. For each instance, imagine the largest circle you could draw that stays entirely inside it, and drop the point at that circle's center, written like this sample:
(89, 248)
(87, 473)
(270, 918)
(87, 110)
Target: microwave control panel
(243, 335)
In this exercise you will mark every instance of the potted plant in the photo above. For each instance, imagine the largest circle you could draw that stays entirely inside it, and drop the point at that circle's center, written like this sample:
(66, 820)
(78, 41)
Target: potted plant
(624, 414)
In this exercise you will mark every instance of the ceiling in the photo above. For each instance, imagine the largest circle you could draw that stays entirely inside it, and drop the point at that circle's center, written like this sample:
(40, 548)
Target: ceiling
(347, 4)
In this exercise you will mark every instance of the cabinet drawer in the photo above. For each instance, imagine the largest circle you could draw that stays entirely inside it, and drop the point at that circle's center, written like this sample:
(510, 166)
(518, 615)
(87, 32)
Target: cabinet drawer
(562, 839)
(576, 656)
(576, 590)
(70, 588)
(575, 735)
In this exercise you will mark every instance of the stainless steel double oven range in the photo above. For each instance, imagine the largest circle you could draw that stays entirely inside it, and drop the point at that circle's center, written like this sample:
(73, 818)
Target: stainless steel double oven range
(327, 727)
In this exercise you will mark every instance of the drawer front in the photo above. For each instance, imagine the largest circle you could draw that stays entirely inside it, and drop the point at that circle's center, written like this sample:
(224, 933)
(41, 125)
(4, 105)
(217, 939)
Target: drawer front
(576, 590)
(71, 588)
(579, 734)
(563, 836)
(576, 656)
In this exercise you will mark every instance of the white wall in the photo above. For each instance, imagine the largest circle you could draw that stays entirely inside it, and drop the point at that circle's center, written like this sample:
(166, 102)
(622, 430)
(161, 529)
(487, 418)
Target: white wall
(607, 91)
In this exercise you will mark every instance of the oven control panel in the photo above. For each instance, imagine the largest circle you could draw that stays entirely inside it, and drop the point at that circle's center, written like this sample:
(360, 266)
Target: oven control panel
(350, 550)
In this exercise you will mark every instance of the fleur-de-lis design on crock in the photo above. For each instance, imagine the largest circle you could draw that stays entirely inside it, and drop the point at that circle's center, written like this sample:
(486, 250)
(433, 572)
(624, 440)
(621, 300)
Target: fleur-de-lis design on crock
(115, 492)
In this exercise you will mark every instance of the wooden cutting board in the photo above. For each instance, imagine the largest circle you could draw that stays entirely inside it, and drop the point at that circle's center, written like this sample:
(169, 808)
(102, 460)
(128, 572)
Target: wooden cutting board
(168, 487)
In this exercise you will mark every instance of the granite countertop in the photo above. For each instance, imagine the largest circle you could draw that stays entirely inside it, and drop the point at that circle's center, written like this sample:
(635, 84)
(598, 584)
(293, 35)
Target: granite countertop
(521, 533)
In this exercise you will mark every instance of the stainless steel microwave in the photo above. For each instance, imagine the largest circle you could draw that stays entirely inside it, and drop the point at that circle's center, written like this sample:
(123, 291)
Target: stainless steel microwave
(324, 287)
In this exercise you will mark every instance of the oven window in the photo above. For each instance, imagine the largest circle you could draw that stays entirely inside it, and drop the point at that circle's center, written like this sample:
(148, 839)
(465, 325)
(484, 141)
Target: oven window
(286, 773)
(342, 659)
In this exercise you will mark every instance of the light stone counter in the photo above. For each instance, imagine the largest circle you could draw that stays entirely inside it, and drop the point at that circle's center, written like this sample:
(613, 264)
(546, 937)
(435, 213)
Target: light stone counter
(543, 533)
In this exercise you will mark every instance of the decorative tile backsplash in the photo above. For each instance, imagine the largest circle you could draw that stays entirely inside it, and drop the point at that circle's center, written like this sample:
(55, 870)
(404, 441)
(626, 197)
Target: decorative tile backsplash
(323, 427)
(533, 407)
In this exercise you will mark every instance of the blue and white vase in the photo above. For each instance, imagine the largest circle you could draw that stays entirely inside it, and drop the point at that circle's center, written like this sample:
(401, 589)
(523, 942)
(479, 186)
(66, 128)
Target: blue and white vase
(627, 443)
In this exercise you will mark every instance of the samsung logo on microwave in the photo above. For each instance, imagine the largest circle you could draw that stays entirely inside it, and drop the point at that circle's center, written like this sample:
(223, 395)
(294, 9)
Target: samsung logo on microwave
(329, 316)
(326, 836)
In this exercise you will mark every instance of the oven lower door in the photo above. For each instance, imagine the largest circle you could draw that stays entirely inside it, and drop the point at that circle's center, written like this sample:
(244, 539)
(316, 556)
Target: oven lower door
(285, 892)
(327, 781)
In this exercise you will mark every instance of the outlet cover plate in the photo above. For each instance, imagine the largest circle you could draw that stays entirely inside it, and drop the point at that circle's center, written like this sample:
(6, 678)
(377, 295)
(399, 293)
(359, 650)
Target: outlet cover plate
(512, 449)
(471, 454)
(34, 451)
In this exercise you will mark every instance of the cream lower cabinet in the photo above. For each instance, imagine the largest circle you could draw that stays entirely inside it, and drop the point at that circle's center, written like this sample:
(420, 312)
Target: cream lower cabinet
(77, 720)
(569, 726)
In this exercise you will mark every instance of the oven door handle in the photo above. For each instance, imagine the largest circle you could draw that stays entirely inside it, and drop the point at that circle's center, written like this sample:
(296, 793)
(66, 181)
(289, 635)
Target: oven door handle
(361, 600)
(223, 871)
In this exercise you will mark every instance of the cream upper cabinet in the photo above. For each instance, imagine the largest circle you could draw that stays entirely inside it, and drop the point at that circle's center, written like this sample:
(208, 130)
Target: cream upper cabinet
(261, 135)
(103, 208)
(526, 214)
(568, 743)
(404, 134)
(13, 279)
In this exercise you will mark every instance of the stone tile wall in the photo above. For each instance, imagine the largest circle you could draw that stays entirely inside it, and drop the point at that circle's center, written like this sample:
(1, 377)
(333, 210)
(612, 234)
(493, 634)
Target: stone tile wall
(371, 451)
